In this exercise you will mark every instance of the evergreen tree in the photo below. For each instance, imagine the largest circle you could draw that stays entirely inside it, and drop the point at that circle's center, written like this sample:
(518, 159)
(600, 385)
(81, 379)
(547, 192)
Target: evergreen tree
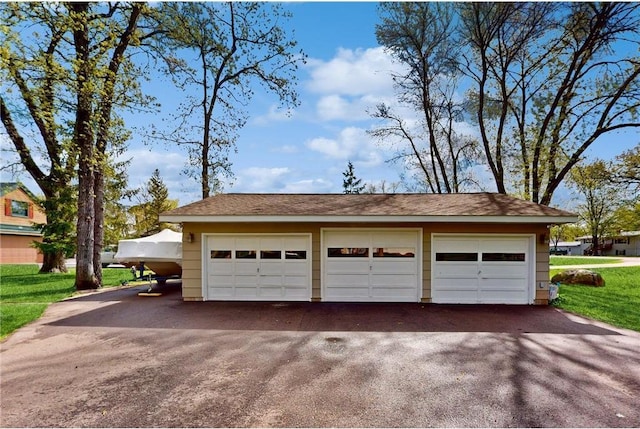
(351, 184)
(157, 194)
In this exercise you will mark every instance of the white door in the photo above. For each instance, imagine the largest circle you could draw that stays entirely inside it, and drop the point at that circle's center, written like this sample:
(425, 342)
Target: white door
(371, 265)
(481, 269)
(258, 268)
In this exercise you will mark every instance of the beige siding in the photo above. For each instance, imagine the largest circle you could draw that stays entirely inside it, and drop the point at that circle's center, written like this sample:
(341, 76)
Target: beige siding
(192, 265)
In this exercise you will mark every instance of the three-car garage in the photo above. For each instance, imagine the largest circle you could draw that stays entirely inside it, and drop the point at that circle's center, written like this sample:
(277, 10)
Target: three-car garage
(370, 265)
(430, 248)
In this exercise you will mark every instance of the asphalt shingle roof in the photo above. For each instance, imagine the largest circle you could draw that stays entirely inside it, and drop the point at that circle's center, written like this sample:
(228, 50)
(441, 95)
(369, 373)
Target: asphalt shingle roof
(475, 204)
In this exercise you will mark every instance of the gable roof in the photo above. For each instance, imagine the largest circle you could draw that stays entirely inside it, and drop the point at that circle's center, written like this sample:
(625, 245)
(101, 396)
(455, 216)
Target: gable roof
(478, 207)
(6, 187)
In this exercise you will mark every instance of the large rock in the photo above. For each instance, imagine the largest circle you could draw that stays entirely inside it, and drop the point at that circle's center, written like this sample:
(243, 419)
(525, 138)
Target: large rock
(579, 277)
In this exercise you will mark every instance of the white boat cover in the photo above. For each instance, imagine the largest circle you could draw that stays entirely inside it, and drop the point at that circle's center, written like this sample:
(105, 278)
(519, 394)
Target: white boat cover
(165, 246)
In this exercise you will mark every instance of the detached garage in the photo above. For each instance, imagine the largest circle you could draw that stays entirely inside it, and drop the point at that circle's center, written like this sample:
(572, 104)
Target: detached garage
(449, 248)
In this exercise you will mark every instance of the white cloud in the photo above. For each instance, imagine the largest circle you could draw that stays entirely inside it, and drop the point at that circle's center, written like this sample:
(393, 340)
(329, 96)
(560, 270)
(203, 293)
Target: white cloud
(350, 144)
(308, 186)
(261, 179)
(278, 180)
(275, 113)
(354, 73)
(352, 83)
(170, 165)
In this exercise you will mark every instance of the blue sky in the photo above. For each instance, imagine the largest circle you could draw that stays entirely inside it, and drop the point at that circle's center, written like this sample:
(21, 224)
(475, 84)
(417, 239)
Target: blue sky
(346, 73)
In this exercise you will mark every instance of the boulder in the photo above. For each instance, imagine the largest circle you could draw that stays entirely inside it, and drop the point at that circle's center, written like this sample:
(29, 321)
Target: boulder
(579, 277)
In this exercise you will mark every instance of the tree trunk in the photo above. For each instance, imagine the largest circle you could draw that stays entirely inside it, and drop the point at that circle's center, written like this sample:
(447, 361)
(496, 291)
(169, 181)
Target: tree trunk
(83, 136)
(98, 224)
(53, 263)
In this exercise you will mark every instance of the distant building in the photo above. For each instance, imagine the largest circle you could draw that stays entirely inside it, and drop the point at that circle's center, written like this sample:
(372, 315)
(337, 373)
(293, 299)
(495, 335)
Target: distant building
(566, 248)
(624, 243)
(17, 231)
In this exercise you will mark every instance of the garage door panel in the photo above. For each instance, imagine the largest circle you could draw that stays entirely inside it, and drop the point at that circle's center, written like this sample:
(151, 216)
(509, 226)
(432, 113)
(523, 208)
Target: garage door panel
(371, 265)
(338, 281)
(347, 239)
(504, 245)
(503, 297)
(349, 293)
(220, 292)
(504, 284)
(271, 268)
(500, 273)
(457, 297)
(446, 271)
(459, 284)
(246, 292)
(296, 294)
(394, 281)
(347, 267)
(393, 239)
(393, 267)
(257, 267)
(456, 245)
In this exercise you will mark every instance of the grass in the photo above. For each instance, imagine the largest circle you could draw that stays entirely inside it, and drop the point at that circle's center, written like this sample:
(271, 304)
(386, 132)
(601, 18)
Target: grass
(25, 294)
(556, 261)
(616, 303)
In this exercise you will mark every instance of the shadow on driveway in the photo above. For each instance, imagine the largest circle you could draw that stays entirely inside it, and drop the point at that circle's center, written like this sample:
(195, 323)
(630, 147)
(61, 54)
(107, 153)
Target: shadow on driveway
(114, 359)
(123, 308)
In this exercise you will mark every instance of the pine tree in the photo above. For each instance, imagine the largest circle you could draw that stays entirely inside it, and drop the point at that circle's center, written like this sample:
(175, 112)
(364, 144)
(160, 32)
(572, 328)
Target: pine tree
(351, 184)
(157, 202)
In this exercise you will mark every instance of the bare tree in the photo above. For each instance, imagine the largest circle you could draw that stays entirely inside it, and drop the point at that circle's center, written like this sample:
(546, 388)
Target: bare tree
(553, 78)
(235, 47)
(420, 37)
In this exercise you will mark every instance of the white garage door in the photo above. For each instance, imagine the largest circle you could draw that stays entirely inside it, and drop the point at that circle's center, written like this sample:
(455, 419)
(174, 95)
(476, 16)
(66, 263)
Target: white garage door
(371, 266)
(258, 268)
(488, 269)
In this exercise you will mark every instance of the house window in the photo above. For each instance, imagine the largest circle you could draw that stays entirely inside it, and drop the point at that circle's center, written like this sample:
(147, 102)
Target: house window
(18, 208)
(394, 252)
(621, 240)
(348, 252)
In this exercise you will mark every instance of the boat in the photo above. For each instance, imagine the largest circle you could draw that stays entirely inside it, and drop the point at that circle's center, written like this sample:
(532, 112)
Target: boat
(161, 253)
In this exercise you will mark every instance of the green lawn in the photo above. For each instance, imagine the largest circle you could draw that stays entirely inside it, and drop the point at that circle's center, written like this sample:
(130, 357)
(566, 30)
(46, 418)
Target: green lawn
(556, 261)
(617, 303)
(25, 294)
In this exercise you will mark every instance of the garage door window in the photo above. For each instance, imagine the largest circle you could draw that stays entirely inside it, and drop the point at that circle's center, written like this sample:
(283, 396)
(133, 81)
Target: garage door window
(456, 257)
(245, 254)
(295, 254)
(503, 257)
(221, 254)
(270, 254)
(348, 252)
(394, 252)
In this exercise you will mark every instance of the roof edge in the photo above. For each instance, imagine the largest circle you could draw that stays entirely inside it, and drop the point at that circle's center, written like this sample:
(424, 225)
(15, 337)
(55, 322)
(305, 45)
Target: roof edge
(368, 219)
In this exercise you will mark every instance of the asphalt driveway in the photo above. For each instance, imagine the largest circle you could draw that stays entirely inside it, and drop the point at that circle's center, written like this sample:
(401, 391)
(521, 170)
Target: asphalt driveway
(114, 359)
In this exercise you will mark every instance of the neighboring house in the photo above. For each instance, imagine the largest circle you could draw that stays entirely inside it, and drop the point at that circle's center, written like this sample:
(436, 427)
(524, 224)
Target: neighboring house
(566, 248)
(449, 248)
(17, 231)
(624, 243)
